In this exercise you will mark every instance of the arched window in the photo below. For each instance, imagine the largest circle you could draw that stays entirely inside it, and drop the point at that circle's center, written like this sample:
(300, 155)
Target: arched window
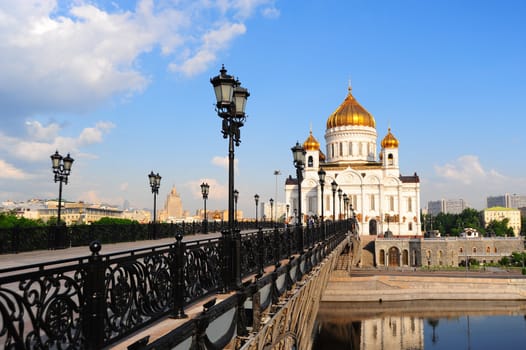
(474, 249)
(310, 162)
(409, 204)
(382, 257)
(495, 250)
(390, 159)
(488, 250)
(461, 250)
(410, 226)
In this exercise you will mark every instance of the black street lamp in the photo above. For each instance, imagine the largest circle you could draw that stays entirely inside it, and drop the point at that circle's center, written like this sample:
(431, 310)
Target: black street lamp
(155, 183)
(345, 205)
(340, 203)
(288, 207)
(271, 210)
(231, 100)
(256, 199)
(321, 175)
(353, 219)
(61, 168)
(295, 216)
(298, 153)
(334, 187)
(204, 191)
(236, 196)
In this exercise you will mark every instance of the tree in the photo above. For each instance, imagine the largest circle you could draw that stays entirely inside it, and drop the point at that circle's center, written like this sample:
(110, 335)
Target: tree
(500, 228)
(114, 221)
(8, 220)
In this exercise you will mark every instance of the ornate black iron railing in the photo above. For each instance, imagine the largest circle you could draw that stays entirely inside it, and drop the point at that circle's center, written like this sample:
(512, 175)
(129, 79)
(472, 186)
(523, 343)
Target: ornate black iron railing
(93, 301)
(21, 239)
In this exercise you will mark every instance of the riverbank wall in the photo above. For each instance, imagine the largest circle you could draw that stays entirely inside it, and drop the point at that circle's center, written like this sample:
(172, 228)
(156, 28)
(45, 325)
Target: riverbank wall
(383, 288)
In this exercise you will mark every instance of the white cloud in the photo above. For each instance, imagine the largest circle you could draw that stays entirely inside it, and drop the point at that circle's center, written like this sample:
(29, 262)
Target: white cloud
(216, 191)
(223, 162)
(8, 171)
(42, 141)
(213, 41)
(39, 132)
(64, 57)
(466, 178)
(94, 135)
(466, 169)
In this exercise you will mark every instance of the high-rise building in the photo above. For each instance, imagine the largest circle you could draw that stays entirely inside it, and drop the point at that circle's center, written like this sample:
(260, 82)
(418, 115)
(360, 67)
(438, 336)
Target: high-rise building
(507, 201)
(173, 207)
(382, 198)
(446, 206)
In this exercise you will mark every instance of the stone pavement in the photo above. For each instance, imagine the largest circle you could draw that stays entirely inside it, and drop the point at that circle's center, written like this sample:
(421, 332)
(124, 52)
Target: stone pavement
(42, 256)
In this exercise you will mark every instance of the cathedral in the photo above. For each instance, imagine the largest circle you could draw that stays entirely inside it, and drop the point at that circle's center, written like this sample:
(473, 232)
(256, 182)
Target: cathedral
(382, 200)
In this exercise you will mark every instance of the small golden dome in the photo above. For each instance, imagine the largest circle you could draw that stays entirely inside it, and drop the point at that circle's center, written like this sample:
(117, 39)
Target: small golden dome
(389, 140)
(351, 113)
(311, 144)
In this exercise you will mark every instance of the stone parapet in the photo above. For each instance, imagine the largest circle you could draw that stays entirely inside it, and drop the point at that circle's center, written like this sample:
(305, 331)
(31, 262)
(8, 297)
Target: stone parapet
(400, 288)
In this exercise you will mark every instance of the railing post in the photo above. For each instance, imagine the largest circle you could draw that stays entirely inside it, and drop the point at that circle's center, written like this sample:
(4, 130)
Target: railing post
(299, 238)
(178, 277)
(276, 245)
(94, 308)
(261, 251)
(289, 242)
(226, 260)
(236, 259)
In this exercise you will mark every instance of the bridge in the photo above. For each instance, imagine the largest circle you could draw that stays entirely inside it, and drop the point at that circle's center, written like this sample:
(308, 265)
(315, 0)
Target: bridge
(248, 290)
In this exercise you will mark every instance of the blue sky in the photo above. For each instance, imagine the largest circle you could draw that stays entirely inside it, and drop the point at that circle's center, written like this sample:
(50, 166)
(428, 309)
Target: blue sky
(124, 87)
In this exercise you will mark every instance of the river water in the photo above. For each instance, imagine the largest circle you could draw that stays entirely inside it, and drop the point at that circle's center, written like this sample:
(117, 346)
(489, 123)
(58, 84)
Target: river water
(451, 325)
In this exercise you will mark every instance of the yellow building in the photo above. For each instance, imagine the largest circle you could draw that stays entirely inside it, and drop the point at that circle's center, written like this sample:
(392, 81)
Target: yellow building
(501, 213)
(78, 212)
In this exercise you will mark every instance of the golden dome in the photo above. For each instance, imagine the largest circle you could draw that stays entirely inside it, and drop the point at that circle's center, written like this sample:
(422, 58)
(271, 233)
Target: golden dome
(389, 140)
(311, 144)
(351, 113)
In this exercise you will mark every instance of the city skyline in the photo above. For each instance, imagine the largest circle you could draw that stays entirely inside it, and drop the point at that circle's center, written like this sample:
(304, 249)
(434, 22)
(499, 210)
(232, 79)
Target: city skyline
(126, 90)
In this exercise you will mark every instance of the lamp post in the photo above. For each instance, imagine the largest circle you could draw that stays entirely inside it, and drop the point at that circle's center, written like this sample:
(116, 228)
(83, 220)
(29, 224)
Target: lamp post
(288, 207)
(295, 216)
(204, 191)
(155, 183)
(298, 153)
(277, 173)
(345, 205)
(61, 168)
(231, 100)
(334, 187)
(340, 203)
(271, 201)
(321, 176)
(236, 196)
(353, 219)
(256, 199)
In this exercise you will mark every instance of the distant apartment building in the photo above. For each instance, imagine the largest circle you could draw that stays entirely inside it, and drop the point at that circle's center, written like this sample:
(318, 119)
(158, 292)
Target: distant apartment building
(507, 201)
(501, 213)
(78, 212)
(446, 206)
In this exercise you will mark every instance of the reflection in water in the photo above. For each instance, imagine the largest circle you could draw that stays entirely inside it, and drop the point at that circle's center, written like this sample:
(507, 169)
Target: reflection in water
(448, 325)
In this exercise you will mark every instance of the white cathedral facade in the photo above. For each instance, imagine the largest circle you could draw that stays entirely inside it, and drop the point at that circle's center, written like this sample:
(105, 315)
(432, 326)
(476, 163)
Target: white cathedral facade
(382, 199)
